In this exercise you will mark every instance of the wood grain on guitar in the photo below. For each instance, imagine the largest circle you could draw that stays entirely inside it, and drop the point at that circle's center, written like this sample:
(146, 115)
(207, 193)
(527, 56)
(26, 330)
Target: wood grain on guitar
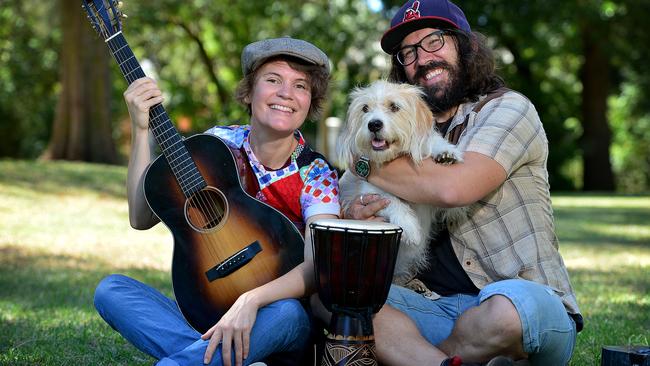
(225, 241)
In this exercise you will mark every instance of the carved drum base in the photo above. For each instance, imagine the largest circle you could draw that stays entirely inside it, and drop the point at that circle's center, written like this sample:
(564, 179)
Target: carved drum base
(347, 352)
(350, 341)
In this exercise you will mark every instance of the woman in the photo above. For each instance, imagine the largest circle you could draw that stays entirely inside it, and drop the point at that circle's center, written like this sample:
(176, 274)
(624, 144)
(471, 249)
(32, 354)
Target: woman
(285, 82)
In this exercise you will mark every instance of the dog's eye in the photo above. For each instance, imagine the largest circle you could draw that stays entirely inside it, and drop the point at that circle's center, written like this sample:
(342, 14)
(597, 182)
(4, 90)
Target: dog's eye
(394, 107)
(365, 108)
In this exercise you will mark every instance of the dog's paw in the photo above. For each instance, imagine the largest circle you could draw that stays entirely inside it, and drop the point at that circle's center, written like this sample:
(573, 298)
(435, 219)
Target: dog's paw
(446, 158)
(444, 152)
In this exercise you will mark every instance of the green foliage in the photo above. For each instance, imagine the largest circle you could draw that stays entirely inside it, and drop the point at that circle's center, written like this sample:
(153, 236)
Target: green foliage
(194, 47)
(28, 76)
(630, 151)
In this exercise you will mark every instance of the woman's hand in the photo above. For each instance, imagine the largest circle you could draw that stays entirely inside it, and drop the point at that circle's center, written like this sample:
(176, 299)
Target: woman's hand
(365, 207)
(140, 96)
(234, 327)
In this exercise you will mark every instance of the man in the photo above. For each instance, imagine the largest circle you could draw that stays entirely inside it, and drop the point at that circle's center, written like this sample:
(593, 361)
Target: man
(496, 289)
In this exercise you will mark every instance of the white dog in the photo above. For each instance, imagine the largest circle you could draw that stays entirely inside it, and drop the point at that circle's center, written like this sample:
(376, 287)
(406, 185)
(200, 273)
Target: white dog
(386, 120)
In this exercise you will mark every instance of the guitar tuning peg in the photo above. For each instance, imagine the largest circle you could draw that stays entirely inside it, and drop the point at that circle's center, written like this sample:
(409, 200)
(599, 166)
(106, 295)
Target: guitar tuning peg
(124, 15)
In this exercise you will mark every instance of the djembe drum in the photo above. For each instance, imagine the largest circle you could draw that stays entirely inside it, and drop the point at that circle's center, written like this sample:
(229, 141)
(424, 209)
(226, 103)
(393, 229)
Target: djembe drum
(354, 263)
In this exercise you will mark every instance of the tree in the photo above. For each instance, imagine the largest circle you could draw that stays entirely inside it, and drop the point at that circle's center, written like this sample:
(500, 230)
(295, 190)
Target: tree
(28, 59)
(82, 126)
(596, 138)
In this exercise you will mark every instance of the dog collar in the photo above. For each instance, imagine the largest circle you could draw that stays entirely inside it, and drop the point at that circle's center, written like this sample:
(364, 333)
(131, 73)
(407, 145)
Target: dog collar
(362, 167)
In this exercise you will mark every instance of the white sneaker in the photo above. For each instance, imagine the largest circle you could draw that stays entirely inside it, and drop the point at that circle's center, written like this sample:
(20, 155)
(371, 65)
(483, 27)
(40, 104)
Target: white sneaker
(258, 364)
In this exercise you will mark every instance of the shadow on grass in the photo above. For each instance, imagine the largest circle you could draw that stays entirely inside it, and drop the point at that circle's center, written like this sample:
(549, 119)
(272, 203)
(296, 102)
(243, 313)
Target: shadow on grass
(50, 281)
(572, 226)
(616, 308)
(47, 314)
(58, 176)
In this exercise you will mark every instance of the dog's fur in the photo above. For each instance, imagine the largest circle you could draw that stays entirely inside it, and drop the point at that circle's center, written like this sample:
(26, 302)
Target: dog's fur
(384, 121)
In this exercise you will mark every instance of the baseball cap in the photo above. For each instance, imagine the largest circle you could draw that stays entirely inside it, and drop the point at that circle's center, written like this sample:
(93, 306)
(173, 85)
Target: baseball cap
(416, 14)
(255, 53)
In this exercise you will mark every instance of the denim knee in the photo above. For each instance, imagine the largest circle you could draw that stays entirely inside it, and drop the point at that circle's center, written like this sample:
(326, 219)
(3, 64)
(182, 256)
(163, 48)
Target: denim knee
(548, 331)
(290, 315)
(105, 290)
(292, 312)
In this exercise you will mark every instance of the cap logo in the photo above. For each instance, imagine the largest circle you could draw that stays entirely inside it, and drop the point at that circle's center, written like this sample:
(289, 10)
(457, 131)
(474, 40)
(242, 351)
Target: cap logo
(413, 12)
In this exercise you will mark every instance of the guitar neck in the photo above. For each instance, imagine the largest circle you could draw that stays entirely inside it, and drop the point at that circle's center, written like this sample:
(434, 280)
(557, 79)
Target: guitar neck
(170, 141)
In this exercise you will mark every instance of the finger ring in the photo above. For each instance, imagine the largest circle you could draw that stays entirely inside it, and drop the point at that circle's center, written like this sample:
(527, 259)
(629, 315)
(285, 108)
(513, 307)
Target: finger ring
(361, 200)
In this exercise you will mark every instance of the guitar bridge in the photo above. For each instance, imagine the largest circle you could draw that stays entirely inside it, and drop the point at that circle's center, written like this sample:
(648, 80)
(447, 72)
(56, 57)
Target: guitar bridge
(234, 262)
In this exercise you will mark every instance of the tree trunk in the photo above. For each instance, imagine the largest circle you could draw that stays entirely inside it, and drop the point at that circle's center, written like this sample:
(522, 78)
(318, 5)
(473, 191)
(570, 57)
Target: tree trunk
(597, 136)
(82, 127)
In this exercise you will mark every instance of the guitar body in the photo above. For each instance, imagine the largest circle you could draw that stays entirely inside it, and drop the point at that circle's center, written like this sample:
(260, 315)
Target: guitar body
(204, 239)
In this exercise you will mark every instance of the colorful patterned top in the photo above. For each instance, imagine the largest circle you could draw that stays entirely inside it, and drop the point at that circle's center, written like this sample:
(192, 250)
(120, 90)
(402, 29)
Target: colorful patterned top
(305, 187)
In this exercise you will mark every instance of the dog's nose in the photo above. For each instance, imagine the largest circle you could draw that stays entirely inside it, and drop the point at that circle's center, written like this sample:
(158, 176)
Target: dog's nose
(375, 125)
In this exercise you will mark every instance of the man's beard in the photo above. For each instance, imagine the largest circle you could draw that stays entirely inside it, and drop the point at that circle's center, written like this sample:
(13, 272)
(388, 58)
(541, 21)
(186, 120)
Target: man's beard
(442, 98)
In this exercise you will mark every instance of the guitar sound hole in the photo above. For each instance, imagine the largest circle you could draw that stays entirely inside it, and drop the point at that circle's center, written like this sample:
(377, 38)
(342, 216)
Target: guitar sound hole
(206, 209)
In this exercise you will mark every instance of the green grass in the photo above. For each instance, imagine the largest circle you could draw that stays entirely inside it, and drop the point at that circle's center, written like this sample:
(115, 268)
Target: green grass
(605, 242)
(63, 226)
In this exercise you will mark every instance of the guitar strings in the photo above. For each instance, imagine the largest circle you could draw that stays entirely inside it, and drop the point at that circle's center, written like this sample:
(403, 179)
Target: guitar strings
(201, 202)
(211, 203)
(205, 203)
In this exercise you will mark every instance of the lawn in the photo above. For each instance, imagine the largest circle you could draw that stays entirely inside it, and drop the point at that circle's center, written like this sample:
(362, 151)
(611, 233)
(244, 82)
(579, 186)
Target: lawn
(63, 226)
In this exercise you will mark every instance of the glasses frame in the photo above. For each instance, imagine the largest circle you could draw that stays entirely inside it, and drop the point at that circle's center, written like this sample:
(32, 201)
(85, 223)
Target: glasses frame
(441, 35)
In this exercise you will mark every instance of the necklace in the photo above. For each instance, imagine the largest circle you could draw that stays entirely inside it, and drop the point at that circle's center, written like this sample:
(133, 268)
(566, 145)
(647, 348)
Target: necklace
(295, 148)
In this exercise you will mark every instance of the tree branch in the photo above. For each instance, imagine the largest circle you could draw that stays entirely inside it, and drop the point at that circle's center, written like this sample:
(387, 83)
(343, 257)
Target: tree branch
(224, 97)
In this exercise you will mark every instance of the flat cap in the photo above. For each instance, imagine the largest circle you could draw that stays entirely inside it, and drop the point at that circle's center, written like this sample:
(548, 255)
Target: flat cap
(255, 53)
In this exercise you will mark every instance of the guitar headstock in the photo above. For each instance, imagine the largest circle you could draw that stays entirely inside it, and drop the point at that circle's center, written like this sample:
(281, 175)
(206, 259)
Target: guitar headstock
(105, 16)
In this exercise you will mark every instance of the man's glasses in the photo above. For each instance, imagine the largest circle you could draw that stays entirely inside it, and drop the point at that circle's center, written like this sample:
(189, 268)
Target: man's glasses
(430, 43)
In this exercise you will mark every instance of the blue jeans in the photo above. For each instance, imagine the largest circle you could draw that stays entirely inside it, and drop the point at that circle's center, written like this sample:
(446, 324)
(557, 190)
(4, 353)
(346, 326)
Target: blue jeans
(549, 333)
(153, 324)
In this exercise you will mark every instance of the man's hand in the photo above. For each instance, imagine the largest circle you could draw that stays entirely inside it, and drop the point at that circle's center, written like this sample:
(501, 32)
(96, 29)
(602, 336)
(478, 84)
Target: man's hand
(365, 207)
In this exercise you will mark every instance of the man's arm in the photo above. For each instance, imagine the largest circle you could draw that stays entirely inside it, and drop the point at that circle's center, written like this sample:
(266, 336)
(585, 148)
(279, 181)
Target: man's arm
(453, 185)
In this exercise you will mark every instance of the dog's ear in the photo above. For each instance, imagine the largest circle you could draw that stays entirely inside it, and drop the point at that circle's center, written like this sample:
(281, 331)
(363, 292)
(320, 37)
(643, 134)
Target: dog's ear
(345, 146)
(423, 125)
(343, 152)
(424, 116)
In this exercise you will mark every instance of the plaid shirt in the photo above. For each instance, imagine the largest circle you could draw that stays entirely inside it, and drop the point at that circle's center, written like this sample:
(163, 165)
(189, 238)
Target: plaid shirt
(510, 233)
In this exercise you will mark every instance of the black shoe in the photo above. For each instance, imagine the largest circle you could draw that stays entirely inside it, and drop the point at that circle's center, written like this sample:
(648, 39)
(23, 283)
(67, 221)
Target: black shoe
(453, 361)
(507, 361)
(501, 361)
(497, 361)
(456, 361)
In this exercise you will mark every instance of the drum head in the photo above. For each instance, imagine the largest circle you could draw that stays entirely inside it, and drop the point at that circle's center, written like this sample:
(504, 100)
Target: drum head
(355, 226)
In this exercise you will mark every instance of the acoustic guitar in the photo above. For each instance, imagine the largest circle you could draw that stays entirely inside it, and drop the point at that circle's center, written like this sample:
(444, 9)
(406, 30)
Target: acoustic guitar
(225, 241)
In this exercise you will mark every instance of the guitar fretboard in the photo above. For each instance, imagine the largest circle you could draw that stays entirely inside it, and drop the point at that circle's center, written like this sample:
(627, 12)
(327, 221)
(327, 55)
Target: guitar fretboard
(170, 141)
